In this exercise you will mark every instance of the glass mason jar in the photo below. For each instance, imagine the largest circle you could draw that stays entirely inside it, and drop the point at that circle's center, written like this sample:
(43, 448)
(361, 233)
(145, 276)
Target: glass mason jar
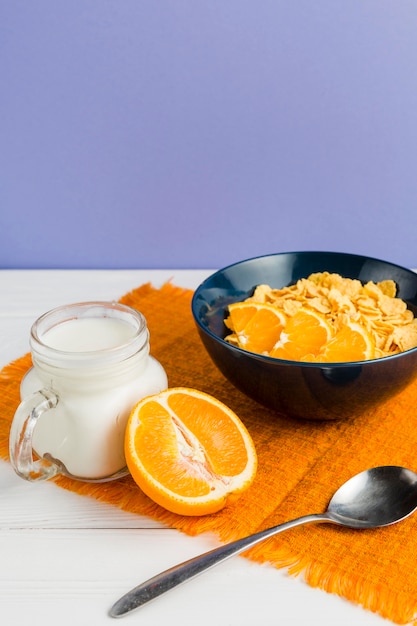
(91, 365)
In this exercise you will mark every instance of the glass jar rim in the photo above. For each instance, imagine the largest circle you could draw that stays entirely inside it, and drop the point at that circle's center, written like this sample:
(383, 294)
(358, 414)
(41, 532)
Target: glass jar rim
(89, 358)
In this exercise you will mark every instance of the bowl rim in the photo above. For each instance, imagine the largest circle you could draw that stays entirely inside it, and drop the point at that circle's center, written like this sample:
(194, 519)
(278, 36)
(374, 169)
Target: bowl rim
(292, 363)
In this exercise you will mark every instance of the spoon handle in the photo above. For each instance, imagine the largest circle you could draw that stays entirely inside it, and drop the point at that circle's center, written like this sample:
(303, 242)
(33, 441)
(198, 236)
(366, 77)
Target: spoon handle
(166, 580)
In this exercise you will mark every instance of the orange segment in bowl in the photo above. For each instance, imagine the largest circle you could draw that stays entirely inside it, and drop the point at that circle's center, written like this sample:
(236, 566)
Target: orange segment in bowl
(351, 343)
(304, 334)
(256, 326)
(188, 451)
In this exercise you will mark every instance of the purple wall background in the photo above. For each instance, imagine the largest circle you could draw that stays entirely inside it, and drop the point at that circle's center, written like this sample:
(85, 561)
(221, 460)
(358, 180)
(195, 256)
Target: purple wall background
(195, 133)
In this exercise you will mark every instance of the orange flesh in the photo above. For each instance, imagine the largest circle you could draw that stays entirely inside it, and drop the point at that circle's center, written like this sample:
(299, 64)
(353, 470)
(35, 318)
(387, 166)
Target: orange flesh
(189, 448)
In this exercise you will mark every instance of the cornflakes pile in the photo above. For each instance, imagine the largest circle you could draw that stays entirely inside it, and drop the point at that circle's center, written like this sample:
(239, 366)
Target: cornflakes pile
(373, 305)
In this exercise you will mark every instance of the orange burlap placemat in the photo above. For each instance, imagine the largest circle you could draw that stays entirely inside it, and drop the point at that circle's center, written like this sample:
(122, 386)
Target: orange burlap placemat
(301, 463)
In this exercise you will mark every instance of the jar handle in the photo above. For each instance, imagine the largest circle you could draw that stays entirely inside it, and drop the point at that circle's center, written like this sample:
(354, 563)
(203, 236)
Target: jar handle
(21, 436)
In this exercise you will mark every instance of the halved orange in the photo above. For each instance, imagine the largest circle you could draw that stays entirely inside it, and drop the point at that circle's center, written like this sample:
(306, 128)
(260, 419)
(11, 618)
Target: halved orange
(256, 326)
(352, 342)
(304, 334)
(188, 451)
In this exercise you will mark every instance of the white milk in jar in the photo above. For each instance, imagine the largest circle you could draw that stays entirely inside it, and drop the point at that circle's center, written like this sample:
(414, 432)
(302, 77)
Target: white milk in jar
(91, 362)
(89, 334)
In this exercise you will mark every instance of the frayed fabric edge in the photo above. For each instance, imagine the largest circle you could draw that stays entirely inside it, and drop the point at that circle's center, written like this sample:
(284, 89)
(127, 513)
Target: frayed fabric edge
(397, 608)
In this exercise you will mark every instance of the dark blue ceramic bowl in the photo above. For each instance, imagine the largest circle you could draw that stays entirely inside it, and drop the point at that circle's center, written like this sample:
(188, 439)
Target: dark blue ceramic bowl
(304, 390)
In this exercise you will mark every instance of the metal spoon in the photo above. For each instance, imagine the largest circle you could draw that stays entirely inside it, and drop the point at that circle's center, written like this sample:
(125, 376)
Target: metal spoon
(376, 497)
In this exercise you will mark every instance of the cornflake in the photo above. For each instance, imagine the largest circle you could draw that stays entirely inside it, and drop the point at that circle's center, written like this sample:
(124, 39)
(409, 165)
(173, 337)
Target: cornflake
(375, 306)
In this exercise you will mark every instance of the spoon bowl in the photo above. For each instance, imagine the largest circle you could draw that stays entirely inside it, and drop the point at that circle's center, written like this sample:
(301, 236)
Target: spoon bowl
(377, 497)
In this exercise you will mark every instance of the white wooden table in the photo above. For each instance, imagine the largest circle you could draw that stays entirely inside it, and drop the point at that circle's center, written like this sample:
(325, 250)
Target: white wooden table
(66, 558)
